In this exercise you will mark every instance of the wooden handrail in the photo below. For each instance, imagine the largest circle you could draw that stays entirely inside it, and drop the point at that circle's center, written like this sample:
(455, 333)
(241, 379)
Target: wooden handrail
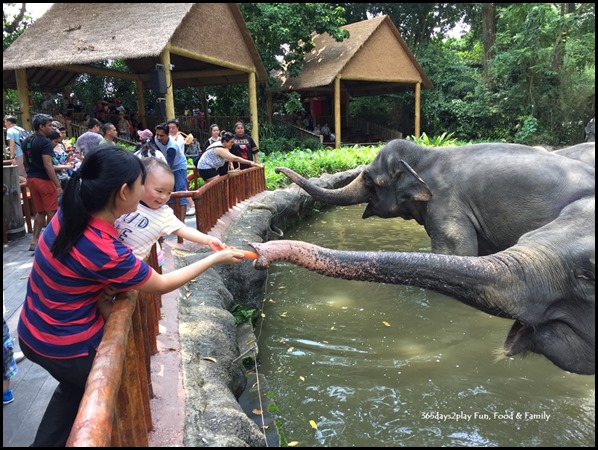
(115, 409)
(217, 196)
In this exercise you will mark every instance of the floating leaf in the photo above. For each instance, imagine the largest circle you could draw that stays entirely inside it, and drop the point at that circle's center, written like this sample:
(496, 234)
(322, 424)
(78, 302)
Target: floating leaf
(332, 327)
(187, 294)
(385, 323)
(209, 358)
(250, 341)
(293, 444)
(263, 316)
(284, 314)
(313, 424)
(290, 349)
(257, 411)
(323, 221)
(302, 378)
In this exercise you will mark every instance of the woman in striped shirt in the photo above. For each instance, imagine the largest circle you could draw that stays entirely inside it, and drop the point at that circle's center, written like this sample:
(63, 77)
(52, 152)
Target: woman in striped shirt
(78, 259)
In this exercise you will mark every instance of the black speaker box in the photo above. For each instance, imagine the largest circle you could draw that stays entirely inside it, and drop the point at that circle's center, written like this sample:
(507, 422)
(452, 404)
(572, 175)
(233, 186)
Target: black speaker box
(159, 81)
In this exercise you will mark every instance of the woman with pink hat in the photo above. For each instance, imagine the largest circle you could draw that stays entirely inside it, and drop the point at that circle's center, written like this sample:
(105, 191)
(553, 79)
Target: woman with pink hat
(146, 148)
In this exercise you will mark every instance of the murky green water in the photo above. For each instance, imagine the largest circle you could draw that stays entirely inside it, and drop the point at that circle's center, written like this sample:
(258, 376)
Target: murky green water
(384, 365)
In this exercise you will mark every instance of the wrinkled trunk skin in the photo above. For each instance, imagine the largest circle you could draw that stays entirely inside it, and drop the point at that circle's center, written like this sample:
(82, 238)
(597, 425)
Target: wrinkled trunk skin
(352, 194)
(471, 280)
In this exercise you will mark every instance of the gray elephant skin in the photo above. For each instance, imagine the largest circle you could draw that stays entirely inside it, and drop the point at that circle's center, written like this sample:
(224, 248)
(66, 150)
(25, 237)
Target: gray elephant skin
(584, 152)
(545, 282)
(472, 200)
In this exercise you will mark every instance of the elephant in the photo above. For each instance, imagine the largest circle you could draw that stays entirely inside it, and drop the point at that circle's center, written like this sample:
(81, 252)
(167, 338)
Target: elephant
(584, 152)
(545, 282)
(472, 200)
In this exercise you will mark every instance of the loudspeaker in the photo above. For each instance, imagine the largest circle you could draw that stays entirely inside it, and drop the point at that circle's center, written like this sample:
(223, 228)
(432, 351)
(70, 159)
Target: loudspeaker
(160, 109)
(159, 81)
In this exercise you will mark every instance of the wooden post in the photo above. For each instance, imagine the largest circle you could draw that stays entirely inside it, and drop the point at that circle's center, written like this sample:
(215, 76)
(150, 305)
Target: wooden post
(253, 109)
(417, 106)
(169, 96)
(337, 111)
(23, 91)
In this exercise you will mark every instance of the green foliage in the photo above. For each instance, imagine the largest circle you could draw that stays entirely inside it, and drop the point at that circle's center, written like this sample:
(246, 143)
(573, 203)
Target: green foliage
(313, 163)
(444, 140)
(242, 314)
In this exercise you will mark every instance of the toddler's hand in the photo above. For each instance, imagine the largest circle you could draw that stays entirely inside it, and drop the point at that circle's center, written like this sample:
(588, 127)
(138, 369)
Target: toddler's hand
(215, 244)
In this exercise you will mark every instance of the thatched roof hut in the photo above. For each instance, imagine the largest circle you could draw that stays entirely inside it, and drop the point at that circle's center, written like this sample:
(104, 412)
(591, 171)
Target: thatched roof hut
(374, 60)
(198, 44)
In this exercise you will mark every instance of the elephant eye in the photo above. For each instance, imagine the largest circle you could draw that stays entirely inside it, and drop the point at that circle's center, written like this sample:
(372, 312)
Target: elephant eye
(367, 180)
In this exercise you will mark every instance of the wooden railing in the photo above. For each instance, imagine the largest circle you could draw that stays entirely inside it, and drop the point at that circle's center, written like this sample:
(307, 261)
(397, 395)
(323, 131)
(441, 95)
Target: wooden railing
(115, 409)
(217, 196)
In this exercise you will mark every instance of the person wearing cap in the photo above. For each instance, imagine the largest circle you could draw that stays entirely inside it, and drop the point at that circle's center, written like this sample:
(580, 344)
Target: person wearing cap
(42, 181)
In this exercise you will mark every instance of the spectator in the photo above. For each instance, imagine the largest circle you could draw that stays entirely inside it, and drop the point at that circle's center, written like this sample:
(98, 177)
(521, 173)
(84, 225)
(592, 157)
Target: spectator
(153, 218)
(60, 326)
(13, 136)
(146, 148)
(9, 368)
(124, 126)
(176, 160)
(214, 137)
(213, 161)
(244, 145)
(175, 135)
(325, 131)
(110, 134)
(91, 138)
(42, 181)
(60, 159)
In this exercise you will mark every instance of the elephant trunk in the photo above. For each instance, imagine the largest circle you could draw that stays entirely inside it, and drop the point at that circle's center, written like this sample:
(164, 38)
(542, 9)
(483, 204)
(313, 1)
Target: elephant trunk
(467, 279)
(352, 194)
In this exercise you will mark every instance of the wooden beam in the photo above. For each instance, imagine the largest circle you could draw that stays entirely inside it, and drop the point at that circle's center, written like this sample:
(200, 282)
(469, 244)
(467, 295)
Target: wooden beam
(217, 62)
(103, 72)
(204, 74)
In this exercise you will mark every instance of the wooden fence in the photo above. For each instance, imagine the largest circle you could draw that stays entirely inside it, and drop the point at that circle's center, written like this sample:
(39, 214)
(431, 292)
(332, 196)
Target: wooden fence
(115, 410)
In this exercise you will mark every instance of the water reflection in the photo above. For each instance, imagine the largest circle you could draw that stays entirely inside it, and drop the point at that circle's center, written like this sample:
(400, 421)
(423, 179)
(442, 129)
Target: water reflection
(385, 365)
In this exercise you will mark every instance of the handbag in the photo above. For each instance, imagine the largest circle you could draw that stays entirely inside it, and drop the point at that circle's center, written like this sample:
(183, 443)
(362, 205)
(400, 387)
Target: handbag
(232, 171)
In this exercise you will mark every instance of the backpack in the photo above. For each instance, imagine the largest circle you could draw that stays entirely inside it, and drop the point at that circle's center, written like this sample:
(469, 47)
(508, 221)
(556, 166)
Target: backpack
(23, 135)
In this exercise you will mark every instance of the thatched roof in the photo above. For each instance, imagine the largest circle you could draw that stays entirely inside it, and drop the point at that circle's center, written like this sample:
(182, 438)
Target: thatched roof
(210, 38)
(373, 60)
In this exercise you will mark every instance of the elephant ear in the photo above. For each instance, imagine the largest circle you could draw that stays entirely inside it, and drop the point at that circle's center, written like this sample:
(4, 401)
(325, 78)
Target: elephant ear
(409, 183)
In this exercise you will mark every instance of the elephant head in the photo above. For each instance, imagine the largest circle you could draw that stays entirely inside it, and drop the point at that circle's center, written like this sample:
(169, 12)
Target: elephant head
(472, 200)
(389, 185)
(545, 283)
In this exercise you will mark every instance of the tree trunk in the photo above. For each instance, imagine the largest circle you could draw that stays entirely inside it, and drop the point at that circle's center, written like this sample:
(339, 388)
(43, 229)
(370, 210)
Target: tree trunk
(488, 33)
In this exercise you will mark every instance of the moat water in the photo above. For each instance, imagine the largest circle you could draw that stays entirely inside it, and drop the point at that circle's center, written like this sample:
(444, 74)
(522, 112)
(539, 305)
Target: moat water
(353, 363)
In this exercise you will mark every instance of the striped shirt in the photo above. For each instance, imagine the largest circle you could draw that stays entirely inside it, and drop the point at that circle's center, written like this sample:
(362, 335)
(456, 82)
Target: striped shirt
(60, 318)
(141, 229)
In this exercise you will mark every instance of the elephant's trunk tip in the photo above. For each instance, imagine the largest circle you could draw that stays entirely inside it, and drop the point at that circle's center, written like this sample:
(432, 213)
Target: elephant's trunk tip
(261, 263)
